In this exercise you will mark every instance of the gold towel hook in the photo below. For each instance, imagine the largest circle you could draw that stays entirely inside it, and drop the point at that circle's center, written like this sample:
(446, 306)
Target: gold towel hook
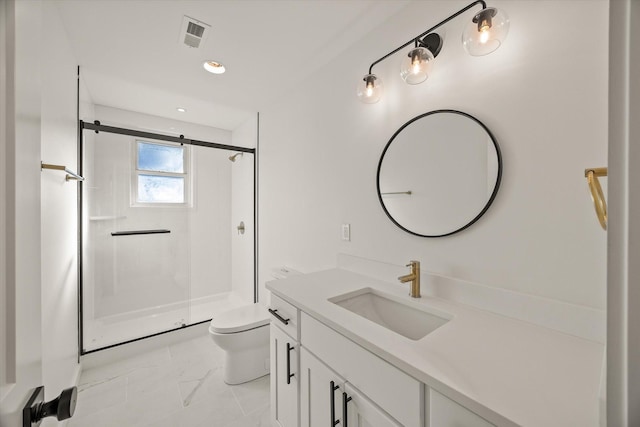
(597, 196)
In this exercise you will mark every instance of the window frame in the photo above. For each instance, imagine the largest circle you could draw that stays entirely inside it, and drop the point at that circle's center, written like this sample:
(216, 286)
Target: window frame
(186, 175)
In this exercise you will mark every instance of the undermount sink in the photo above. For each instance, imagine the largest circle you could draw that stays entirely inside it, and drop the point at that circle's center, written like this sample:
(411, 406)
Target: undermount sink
(392, 312)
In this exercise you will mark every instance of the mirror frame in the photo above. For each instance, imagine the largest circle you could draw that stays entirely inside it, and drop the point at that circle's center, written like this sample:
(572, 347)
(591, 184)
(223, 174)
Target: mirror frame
(493, 194)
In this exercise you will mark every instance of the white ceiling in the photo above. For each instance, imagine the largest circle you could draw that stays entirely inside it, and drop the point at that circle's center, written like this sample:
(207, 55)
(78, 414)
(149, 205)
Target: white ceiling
(131, 58)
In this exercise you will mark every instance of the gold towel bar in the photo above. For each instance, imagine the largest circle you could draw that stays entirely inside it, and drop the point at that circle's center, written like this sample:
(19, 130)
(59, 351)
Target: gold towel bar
(597, 196)
(70, 175)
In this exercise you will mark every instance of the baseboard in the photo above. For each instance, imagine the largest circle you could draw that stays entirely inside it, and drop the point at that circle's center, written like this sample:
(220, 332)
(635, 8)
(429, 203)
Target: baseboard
(76, 375)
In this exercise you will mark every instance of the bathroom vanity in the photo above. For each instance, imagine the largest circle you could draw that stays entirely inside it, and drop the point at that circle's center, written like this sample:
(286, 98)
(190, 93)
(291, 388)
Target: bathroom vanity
(349, 350)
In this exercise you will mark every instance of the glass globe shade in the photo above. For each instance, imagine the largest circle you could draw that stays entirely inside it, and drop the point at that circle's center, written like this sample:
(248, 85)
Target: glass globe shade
(485, 32)
(370, 89)
(416, 66)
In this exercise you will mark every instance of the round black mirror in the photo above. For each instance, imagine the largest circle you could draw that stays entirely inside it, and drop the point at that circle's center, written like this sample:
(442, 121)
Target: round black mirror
(439, 173)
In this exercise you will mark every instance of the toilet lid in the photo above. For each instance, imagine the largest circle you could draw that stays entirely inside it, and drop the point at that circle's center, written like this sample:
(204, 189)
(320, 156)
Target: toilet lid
(240, 319)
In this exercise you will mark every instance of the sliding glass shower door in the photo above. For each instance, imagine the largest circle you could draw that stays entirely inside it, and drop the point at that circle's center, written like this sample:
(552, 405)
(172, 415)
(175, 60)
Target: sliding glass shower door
(160, 232)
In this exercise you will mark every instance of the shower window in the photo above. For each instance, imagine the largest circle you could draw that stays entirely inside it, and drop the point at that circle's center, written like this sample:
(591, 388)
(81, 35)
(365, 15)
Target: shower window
(160, 174)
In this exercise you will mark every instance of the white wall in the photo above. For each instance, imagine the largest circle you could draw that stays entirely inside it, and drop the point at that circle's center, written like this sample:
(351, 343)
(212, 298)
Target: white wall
(23, 96)
(148, 123)
(59, 207)
(543, 95)
(242, 209)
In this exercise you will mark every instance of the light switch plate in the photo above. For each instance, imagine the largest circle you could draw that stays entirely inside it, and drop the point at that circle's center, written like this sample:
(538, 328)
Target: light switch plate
(346, 232)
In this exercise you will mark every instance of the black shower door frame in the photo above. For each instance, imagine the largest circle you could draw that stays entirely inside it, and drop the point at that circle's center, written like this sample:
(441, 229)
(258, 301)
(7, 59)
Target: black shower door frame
(97, 127)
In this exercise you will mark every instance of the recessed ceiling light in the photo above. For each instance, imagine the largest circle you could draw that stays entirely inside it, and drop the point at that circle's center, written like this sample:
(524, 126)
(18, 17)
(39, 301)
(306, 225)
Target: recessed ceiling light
(181, 110)
(214, 67)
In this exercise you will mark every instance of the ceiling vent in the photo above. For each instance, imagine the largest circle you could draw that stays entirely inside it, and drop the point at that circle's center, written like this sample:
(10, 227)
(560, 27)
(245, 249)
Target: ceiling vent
(193, 32)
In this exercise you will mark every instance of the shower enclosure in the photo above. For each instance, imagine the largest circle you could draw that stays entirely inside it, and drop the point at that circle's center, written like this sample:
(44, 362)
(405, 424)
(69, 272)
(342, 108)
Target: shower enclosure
(168, 233)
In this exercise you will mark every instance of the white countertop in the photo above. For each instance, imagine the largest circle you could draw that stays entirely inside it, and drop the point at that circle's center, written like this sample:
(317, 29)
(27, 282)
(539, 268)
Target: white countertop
(507, 371)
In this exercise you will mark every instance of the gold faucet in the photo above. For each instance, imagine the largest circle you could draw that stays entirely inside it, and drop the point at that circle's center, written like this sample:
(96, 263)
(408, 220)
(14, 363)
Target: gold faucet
(414, 278)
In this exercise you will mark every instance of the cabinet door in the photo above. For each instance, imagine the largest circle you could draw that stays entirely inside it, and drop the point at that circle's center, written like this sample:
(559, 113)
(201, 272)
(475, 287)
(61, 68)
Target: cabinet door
(362, 412)
(284, 379)
(444, 412)
(398, 394)
(320, 393)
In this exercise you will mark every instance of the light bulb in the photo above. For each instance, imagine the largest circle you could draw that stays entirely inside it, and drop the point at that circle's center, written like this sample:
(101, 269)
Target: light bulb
(416, 66)
(369, 89)
(485, 32)
(484, 36)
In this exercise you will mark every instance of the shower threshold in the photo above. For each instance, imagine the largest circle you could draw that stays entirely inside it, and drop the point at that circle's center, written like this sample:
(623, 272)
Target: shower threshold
(111, 330)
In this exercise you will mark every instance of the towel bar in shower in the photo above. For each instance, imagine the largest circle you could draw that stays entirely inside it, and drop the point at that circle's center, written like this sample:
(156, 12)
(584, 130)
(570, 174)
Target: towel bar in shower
(137, 232)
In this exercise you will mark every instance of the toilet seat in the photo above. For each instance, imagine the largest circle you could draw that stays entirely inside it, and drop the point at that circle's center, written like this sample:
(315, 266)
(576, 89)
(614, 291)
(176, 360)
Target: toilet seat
(240, 319)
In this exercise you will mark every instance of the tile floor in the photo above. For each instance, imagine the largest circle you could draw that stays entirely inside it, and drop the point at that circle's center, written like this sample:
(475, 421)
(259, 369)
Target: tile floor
(176, 386)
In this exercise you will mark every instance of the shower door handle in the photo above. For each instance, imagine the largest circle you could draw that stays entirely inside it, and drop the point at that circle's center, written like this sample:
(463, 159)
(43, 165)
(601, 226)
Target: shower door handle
(139, 232)
(289, 374)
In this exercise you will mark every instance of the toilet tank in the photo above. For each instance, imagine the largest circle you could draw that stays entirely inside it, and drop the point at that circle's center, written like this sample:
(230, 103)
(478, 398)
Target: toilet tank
(284, 272)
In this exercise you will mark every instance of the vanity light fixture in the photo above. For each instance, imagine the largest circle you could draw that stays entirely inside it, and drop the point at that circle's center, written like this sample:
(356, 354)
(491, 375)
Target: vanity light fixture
(213, 67)
(417, 64)
(370, 89)
(485, 33)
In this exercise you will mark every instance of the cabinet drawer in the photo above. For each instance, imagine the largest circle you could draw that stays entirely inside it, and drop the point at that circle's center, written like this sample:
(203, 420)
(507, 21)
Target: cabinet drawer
(284, 315)
(395, 392)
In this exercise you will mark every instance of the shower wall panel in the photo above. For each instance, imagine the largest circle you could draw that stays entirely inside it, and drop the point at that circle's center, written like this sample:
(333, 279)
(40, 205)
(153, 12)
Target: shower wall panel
(242, 210)
(145, 271)
(210, 219)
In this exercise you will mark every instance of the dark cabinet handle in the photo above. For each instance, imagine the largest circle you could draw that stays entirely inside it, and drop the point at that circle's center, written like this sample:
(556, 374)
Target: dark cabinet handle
(345, 399)
(332, 388)
(289, 374)
(277, 316)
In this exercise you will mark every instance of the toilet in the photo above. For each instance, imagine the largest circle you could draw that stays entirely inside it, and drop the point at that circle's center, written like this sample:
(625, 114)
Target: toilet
(243, 334)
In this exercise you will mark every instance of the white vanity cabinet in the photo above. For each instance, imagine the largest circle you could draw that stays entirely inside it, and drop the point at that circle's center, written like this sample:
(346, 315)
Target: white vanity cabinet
(327, 399)
(284, 358)
(362, 412)
(320, 392)
(380, 394)
(367, 336)
(320, 378)
(444, 412)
